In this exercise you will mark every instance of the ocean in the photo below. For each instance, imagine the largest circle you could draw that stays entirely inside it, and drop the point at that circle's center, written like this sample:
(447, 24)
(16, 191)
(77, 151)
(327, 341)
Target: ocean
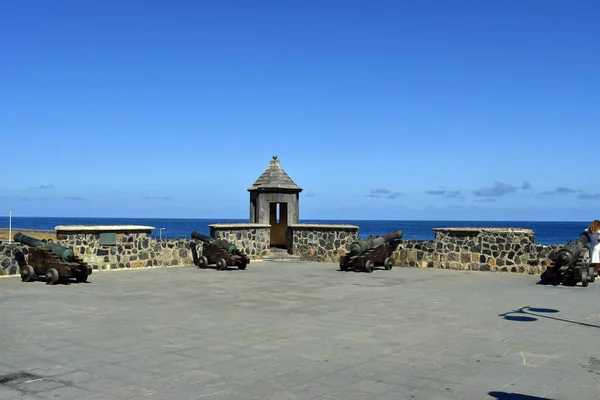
(546, 233)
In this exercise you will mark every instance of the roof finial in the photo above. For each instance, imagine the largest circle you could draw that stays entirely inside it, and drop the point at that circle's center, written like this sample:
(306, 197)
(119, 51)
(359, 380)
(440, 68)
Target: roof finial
(274, 157)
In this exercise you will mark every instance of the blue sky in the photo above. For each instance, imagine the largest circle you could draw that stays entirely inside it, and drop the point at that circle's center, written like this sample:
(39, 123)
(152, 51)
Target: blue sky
(477, 110)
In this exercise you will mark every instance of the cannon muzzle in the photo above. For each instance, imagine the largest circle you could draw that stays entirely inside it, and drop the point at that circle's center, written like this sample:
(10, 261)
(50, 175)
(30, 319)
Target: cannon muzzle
(569, 254)
(360, 246)
(201, 237)
(64, 253)
(564, 257)
(396, 235)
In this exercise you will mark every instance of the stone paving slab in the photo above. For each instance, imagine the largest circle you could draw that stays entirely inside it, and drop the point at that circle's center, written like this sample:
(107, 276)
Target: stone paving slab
(299, 331)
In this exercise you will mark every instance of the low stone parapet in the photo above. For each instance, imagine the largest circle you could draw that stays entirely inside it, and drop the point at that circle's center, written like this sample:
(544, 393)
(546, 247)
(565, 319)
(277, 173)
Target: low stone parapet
(465, 248)
(320, 242)
(252, 239)
(120, 246)
(477, 249)
(8, 264)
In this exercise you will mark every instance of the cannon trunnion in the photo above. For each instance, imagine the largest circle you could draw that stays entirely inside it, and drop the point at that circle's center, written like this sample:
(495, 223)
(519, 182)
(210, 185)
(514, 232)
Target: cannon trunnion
(49, 262)
(217, 251)
(570, 264)
(366, 254)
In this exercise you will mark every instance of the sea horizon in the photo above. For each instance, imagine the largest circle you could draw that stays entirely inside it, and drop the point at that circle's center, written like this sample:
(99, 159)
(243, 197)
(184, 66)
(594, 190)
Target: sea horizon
(311, 219)
(545, 232)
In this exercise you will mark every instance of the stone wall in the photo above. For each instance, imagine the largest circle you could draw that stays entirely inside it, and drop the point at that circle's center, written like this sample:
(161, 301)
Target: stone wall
(316, 242)
(137, 254)
(8, 265)
(132, 250)
(252, 239)
(477, 249)
(135, 248)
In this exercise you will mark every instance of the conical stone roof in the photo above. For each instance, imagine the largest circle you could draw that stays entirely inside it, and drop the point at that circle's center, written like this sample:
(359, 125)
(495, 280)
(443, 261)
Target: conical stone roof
(274, 177)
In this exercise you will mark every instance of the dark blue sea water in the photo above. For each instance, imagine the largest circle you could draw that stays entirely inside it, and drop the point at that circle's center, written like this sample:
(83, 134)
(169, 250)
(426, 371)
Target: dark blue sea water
(545, 232)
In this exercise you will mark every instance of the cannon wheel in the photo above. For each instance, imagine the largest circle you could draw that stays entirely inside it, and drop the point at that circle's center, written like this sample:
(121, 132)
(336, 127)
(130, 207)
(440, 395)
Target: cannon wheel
(369, 266)
(591, 274)
(27, 273)
(544, 277)
(584, 277)
(343, 267)
(51, 276)
(202, 262)
(388, 263)
(221, 263)
(82, 275)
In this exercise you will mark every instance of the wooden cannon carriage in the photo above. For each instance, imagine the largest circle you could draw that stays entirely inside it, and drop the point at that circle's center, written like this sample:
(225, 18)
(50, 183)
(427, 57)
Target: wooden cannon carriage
(49, 262)
(570, 265)
(366, 254)
(218, 252)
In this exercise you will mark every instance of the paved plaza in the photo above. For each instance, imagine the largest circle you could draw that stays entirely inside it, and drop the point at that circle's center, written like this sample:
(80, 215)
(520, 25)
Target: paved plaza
(299, 331)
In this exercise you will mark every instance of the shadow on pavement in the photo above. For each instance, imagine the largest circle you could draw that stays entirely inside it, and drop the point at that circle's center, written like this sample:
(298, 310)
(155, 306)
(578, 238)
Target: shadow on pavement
(530, 314)
(514, 396)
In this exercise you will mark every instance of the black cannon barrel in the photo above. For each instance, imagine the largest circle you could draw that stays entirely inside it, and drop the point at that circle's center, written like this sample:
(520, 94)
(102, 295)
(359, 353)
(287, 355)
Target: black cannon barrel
(569, 254)
(65, 253)
(204, 238)
(360, 246)
(231, 248)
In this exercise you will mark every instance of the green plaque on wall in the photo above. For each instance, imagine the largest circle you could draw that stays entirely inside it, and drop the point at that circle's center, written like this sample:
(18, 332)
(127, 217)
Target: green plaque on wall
(108, 238)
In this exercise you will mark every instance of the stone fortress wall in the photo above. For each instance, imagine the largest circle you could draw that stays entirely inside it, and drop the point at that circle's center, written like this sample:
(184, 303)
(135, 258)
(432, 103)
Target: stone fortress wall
(109, 247)
(475, 249)
(252, 239)
(313, 242)
(125, 247)
(129, 247)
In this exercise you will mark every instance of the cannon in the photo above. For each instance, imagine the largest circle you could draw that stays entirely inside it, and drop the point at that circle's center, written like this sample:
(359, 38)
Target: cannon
(217, 251)
(49, 261)
(571, 264)
(368, 253)
(230, 248)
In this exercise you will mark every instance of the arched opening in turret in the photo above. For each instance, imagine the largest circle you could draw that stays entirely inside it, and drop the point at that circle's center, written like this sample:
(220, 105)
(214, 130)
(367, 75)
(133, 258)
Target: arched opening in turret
(278, 217)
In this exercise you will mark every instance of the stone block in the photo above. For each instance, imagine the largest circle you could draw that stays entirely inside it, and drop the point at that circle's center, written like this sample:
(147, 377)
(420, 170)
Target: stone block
(465, 257)
(455, 265)
(412, 255)
(453, 256)
(485, 267)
